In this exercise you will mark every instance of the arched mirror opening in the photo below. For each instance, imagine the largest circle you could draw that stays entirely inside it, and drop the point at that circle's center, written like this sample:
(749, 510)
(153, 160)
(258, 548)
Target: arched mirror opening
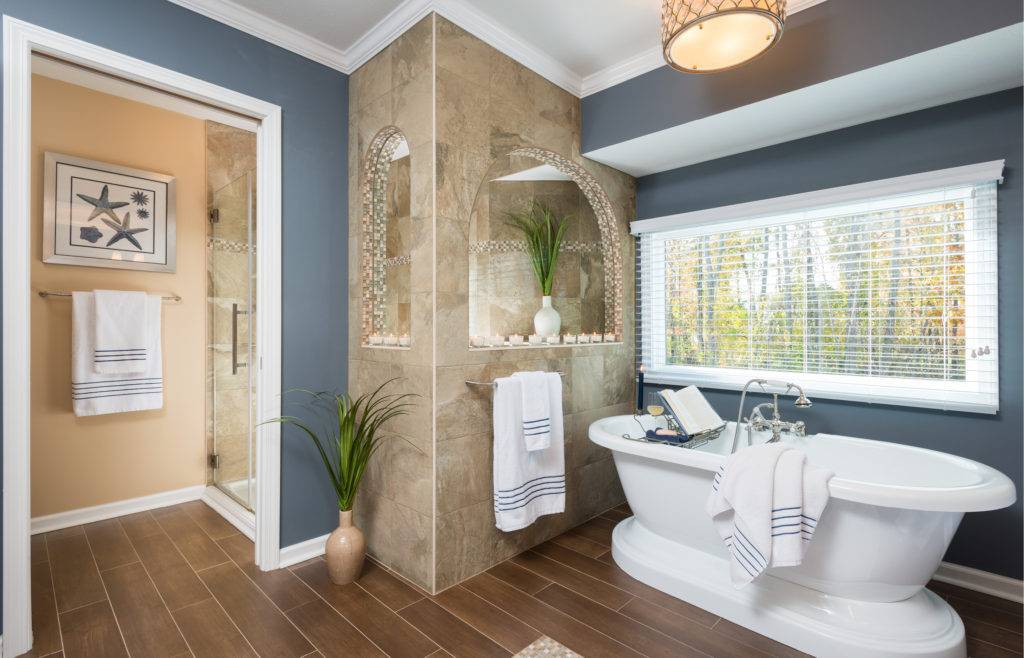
(535, 208)
(387, 242)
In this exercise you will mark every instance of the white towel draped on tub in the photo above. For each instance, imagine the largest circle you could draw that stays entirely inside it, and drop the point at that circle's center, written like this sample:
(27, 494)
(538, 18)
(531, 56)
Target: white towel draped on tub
(527, 484)
(766, 501)
(92, 393)
(122, 332)
(537, 407)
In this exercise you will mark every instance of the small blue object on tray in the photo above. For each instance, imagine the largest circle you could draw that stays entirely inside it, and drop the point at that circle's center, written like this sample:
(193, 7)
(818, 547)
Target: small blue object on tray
(668, 436)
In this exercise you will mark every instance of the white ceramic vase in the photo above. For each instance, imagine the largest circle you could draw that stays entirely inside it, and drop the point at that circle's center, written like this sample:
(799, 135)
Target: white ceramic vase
(547, 321)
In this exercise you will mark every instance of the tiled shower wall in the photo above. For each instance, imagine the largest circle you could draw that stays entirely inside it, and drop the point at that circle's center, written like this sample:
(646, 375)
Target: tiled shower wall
(426, 505)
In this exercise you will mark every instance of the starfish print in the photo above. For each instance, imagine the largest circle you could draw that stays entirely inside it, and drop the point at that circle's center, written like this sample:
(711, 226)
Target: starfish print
(122, 230)
(102, 205)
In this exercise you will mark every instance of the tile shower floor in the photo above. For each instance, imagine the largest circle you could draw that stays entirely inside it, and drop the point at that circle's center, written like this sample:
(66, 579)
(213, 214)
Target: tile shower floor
(180, 581)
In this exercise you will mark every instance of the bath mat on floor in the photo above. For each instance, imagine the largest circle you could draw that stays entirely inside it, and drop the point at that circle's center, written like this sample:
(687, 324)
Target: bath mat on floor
(545, 647)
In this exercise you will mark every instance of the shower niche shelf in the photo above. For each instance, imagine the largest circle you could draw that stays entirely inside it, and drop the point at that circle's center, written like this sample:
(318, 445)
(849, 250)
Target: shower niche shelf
(504, 293)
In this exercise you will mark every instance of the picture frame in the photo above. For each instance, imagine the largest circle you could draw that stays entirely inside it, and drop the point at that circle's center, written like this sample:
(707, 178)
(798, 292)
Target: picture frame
(97, 214)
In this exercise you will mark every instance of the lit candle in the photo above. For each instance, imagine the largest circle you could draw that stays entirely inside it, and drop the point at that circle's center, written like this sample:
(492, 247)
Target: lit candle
(497, 341)
(554, 340)
(640, 388)
(609, 338)
(515, 339)
(404, 340)
(535, 339)
(569, 339)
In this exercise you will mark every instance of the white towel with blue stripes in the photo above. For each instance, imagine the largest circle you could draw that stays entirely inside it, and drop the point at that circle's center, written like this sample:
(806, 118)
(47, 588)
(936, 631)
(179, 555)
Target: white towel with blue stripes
(93, 393)
(766, 502)
(527, 483)
(536, 387)
(121, 332)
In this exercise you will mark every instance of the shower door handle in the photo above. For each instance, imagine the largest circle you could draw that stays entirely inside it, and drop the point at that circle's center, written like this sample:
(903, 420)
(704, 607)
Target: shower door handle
(235, 312)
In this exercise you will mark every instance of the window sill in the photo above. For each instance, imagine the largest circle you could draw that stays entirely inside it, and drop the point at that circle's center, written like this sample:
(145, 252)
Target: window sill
(865, 393)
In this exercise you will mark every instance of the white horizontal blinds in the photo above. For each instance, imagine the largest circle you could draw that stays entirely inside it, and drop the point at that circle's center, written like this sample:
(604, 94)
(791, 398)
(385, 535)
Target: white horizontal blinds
(889, 299)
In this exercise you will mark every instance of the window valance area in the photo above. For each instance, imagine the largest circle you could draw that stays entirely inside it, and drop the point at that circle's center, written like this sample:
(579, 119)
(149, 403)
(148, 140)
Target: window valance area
(879, 292)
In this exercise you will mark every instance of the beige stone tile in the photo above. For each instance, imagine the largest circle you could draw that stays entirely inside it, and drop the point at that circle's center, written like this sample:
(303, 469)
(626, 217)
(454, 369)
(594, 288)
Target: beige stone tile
(596, 488)
(371, 80)
(588, 381)
(401, 472)
(459, 173)
(510, 80)
(412, 111)
(421, 203)
(460, 123)
(462, 53)
(583, 451)
(231, 411)
(397, 536)
(411, 53)
(464, 472)
(468, 542)
(452, 256)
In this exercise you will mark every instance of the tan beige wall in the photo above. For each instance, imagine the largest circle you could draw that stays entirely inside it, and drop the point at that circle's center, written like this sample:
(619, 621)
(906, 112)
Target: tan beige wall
(79, 462)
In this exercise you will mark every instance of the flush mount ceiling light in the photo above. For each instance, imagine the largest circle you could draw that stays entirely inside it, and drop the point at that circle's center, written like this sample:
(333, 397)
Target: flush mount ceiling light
(705, 36)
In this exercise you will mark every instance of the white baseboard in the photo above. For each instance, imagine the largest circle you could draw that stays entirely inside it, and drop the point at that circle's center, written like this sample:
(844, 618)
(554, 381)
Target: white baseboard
(231, 510)
(302, 551)
(117, 508)
(981, 581)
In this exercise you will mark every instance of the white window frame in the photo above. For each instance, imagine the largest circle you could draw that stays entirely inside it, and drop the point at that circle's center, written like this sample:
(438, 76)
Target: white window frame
(935, 394)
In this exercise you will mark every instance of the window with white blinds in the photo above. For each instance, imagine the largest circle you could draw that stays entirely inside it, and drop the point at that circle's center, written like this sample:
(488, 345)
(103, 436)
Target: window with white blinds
(881, 292)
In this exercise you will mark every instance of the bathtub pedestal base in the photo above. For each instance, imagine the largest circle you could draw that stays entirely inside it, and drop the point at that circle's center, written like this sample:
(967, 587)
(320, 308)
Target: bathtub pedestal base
(813, 622)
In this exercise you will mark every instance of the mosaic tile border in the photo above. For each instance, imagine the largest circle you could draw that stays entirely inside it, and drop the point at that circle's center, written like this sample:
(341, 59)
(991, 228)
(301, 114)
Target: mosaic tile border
(610, 252)
(231, 246)
(512, 246)
(373, 190)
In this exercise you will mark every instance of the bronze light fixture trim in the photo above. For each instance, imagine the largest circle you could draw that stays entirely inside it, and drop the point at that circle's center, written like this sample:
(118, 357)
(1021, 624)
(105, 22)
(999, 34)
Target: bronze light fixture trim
(708, 36)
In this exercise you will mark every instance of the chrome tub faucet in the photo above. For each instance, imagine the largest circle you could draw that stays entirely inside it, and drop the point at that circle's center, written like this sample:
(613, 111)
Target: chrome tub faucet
(757, 421)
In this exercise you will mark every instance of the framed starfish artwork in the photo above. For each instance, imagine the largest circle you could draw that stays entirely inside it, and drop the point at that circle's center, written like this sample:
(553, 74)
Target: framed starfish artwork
(97, 214)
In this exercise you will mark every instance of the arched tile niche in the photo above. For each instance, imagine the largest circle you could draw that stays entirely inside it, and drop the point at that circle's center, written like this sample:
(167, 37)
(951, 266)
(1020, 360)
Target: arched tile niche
(386, 242)
(503, 293)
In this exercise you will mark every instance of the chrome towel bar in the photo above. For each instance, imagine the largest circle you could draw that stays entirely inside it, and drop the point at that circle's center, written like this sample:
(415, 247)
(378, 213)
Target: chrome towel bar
(492, 384)
(64, 293)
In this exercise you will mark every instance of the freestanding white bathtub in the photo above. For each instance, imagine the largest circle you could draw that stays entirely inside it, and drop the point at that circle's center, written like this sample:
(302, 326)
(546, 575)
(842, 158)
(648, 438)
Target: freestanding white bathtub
(860, 591)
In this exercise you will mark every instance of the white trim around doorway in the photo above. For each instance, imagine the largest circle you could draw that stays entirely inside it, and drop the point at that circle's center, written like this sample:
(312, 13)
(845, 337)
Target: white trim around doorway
(20, 41)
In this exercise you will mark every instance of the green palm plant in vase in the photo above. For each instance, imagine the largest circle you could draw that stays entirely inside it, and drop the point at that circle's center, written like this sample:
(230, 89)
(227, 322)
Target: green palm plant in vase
(348, 438)
(544, 232)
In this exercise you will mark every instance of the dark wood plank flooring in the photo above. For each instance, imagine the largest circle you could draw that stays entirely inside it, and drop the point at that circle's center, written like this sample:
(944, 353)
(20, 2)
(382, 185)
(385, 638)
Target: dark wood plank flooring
(180, 581)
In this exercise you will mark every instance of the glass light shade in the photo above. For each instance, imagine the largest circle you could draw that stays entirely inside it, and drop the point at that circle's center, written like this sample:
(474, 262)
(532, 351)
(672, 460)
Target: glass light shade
(704, 36)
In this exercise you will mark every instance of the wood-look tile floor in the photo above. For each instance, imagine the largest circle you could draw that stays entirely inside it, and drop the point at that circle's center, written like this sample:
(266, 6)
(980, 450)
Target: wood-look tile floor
(181, 581)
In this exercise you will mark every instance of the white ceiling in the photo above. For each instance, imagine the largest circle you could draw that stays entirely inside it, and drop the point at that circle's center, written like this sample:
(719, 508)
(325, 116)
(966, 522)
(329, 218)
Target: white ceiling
(581, 45)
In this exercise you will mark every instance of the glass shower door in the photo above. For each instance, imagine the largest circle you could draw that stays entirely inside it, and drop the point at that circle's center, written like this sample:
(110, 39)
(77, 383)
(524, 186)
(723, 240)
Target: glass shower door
(232, 270)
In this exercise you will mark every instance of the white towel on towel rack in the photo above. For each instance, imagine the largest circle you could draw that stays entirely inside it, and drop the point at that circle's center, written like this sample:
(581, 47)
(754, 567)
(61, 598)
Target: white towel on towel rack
(766, 502)
(92, 393)
(536, 392)
(527, 484)
(121, 332)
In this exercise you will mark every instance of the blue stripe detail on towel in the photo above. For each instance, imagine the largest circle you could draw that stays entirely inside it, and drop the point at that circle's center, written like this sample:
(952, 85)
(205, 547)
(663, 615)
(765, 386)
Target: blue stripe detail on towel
(541, 486)
(749, 544)
(544, 420)
(543, 477)
(527, 502)
(116, 395)
(117, 381)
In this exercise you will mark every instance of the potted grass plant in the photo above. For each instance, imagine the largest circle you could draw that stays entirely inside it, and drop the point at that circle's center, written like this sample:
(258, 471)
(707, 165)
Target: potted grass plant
(543, 231)
(349, 434)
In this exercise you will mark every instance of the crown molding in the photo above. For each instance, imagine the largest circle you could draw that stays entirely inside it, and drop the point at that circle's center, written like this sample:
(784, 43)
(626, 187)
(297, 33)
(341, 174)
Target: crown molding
(650, 59)
(389, 28)
(460, 12)
(269, 30)
(490, 32)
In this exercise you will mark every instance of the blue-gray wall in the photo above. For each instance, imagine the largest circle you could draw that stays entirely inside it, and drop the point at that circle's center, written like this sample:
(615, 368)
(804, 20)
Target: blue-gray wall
(314, 102)
(967, 132)
(822, 42)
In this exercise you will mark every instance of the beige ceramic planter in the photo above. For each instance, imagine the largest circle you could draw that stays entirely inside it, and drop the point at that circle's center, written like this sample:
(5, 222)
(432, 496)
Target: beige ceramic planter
(345, 550)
